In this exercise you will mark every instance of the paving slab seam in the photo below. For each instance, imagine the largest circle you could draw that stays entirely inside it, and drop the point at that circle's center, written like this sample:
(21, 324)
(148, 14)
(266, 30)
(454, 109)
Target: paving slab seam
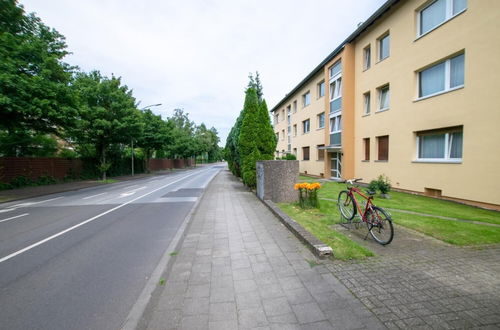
(135, 316)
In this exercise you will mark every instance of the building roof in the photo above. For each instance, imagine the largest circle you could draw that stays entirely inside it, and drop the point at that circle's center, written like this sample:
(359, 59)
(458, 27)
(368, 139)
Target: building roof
(375, 16)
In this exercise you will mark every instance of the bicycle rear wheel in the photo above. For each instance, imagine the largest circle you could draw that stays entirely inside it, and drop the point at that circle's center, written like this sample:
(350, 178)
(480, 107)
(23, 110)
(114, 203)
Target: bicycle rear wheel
(346, 205)
(379, 225)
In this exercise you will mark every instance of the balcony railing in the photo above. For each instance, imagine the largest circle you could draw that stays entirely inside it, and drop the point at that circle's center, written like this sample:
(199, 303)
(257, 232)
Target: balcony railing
(336, 105)
(336, 139)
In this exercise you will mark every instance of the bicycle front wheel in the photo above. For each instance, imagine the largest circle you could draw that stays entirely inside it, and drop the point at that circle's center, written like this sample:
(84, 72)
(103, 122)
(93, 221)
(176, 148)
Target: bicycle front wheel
(379, 225)
(346, 205)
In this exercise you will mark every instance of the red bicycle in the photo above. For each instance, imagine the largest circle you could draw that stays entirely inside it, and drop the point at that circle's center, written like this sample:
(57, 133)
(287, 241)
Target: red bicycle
(377, 220)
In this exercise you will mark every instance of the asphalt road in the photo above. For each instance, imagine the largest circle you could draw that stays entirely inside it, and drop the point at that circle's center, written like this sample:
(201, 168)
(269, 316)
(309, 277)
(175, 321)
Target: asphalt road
(79, 260)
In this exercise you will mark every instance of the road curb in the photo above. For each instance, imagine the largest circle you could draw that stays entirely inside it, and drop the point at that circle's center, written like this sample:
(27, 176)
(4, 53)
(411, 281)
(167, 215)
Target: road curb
(135, 316)
(320, 249)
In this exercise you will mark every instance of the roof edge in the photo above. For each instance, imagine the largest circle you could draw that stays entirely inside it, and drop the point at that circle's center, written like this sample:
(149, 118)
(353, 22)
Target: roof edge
(375, 16)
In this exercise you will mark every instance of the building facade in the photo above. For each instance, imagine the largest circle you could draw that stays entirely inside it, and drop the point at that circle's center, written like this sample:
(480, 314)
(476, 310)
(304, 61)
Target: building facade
(409, 95)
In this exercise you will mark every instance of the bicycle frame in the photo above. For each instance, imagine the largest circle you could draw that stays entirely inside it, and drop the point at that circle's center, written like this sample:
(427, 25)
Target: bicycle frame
(368, 205)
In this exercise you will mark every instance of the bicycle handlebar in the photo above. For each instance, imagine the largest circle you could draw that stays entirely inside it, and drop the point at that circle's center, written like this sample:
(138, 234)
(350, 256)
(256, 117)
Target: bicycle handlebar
(351, 181)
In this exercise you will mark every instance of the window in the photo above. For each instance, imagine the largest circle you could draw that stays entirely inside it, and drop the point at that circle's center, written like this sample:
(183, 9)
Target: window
(321, 120)
(442, 77)
(438, 12)
(383, 147)
(321, 151)
(295, 130)
(278, 136)
(367, 57)
(305, 153)
(366, 146)
(306, 126)
(335, 69)
(282, 114)
(383, 97)
(336, 87)
(276, 117)
(321, 89)
(306, 99)
(440, 145)
(366, 98)
(295, 151)
(336, 124)
(282, 134)
(383, 47)
(295, 106)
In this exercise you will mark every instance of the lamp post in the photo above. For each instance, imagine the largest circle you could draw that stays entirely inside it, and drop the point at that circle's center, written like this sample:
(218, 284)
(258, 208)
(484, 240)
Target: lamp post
(132, 139)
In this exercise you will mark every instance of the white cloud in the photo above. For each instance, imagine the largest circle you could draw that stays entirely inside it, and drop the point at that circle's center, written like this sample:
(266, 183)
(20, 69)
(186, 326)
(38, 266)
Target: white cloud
(195, 54)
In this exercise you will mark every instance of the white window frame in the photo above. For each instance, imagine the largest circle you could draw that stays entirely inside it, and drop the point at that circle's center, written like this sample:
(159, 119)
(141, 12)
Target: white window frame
(380, 89)
(447, 148)
(304, 126)
(319, 120)
(335, 83)
(447, 78)
(295, 106)
(448, 16)
(282, 114)
(367, 57)
(306, 96)
(337, 128)
(276, 117)
(289, 114)
(322, 83)
(295, 130)
(366, 103)
(379, 44)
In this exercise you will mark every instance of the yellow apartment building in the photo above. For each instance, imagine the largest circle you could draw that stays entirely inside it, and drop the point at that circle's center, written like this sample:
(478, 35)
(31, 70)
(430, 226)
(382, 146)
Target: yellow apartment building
(410, 94)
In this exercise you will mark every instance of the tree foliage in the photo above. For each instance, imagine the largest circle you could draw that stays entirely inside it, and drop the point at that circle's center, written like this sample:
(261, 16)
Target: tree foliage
(46, 103)
(252, 137)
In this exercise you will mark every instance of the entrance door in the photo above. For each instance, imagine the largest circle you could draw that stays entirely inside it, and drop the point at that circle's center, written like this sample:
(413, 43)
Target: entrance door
(336, 163)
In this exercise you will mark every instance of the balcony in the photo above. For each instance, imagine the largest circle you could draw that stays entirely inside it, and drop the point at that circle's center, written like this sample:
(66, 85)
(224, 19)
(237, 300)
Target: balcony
(336, 105)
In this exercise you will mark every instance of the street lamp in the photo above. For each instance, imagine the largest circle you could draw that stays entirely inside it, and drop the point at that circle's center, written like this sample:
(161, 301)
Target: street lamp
(132, 139)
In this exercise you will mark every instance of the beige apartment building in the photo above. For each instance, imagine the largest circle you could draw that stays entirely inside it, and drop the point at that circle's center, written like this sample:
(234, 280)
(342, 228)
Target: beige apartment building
(410, 94)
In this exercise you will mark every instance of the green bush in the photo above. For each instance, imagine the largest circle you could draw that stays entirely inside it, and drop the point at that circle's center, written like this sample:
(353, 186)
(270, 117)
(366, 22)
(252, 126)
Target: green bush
(21, 181)
(289, 157)
(45, 180)
(382, 184)
(5, 186)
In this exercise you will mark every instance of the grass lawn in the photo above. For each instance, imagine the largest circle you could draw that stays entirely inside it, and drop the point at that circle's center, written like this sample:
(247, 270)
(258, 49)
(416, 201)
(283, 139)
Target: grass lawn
(318, 222)
(421, 204)
(454, 232)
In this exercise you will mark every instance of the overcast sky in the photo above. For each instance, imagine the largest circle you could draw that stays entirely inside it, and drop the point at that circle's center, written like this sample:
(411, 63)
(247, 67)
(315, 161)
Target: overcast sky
(197, 54)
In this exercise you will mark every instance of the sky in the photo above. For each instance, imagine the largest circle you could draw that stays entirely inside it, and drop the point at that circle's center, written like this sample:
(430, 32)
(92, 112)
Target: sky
(197, 54)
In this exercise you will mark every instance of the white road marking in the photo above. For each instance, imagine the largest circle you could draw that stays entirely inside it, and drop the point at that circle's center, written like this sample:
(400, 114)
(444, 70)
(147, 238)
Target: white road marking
(6, 210)
(17, 216)
(12, 255)
(128, 193)
(88, 197)
(33, 203)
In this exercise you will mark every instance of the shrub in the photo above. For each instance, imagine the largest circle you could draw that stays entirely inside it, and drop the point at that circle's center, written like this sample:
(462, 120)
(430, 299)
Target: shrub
(45, 180)
(21, 181)
(382, 184)
(289, 157)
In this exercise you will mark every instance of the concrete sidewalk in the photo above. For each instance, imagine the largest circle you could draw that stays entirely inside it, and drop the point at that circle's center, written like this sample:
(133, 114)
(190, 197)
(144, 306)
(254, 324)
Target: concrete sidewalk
(240, 268)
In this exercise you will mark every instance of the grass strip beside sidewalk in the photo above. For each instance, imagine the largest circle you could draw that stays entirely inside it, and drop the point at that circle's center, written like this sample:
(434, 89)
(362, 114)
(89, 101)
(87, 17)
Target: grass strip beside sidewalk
(319, 224)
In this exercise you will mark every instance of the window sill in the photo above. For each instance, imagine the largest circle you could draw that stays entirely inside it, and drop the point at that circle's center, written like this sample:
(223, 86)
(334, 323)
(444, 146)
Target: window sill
(365, 161)
(439, 25)
(381, 161)
(382, 59)
(438, 161)
(382, 110)
(365, 115)
(366, 69)
(438, 93)
(320, 160)
(320, 128)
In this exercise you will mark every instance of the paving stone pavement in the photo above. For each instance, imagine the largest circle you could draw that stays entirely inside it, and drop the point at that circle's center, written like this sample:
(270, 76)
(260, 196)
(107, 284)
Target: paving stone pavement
(418, 282)
(240, 268)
